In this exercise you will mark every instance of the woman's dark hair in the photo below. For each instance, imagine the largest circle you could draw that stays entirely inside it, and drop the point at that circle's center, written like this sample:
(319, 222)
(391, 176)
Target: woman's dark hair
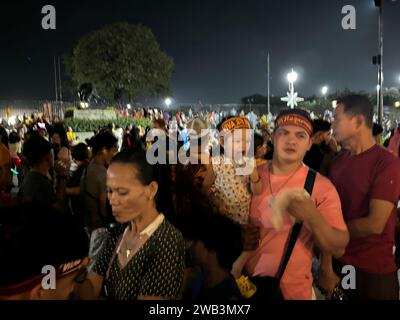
(60, 130)
(104, 139)
(136, 157)
(258, 141)
(80, 152)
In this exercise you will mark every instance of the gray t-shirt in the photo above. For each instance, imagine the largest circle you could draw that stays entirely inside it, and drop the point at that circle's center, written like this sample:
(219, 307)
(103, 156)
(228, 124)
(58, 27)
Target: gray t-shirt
(93, 183)
(37, 188)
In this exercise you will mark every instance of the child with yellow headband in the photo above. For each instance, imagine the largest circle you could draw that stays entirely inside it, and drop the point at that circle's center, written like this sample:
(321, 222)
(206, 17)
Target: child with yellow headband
(229, 190)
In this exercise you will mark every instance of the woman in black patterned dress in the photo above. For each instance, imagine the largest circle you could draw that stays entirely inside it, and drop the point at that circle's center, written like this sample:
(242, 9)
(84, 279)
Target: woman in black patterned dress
(144, 257)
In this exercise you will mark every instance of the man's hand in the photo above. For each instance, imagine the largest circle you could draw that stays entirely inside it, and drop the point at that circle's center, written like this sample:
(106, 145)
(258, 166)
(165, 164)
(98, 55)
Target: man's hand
(250, 237)
(302, 208)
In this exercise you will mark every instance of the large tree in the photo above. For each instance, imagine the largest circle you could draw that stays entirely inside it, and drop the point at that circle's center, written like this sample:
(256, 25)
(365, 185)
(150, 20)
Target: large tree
(121, 60)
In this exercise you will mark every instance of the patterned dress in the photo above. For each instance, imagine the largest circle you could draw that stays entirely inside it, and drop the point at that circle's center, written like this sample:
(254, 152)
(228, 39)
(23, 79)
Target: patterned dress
(155, 270)
(233, 189)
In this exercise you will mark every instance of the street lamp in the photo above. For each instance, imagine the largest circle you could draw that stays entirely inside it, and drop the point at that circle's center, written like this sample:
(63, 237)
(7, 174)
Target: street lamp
(324, 90)
(292, 76)
(168, 102)
(292, 97)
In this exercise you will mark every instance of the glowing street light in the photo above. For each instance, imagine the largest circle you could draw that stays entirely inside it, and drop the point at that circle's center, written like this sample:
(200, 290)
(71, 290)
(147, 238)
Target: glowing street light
(292, 76)
(324, 90)
(168, 102)
(292, 97)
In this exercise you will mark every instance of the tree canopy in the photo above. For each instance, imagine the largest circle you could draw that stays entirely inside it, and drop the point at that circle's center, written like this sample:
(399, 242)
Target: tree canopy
(121, 59)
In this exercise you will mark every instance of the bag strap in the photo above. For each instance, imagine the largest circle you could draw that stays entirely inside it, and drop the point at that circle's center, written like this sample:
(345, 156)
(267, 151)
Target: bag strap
(308, 186)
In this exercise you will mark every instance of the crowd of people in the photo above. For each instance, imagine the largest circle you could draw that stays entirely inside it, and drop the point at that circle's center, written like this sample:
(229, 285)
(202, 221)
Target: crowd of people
(322, 194)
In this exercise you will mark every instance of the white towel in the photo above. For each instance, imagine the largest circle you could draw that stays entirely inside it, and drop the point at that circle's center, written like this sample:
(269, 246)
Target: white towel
(282, 201)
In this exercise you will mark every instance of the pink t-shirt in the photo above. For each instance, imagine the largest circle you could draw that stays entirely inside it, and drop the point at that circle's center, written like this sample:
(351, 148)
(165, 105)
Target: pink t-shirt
(296, 283)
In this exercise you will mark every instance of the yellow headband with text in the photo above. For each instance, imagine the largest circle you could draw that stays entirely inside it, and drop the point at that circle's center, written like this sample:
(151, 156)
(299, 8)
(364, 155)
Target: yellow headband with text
(236, 123)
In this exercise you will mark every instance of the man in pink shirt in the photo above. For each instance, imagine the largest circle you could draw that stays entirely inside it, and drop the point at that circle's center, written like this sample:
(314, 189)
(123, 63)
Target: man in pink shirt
(323, 221)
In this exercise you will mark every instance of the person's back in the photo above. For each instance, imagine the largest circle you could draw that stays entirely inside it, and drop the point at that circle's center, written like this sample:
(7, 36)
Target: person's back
(93, 183)
(80, 157)
(37, 186)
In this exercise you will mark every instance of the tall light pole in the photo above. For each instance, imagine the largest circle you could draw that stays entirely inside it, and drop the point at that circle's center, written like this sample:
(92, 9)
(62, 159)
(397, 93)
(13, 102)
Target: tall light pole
(379, 61)
(269, 101)
(59, 80)
(55, 78)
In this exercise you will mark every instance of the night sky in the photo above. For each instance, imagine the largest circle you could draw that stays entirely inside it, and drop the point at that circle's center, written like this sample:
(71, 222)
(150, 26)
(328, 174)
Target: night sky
(219, 47)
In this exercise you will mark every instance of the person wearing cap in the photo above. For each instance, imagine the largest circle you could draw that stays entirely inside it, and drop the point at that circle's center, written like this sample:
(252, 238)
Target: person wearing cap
(43, 253)
(367, 178)
(323, 227)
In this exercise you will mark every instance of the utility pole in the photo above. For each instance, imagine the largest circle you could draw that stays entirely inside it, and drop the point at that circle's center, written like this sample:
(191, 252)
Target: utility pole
(55, 78)
(269, 101)
(59, 80)
(378, 60)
